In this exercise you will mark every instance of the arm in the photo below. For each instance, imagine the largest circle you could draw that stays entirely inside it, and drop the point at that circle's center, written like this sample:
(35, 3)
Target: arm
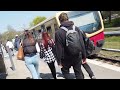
(37, 47)
(82, 36)
(59, 48)
(12, 45)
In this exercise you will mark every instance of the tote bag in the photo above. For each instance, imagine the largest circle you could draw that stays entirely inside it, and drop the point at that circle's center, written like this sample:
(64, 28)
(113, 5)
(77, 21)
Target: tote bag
(20, 54)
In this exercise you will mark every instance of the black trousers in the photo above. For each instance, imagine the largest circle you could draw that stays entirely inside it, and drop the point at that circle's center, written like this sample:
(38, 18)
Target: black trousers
(52, 69)
(88, 69)
(76, 63)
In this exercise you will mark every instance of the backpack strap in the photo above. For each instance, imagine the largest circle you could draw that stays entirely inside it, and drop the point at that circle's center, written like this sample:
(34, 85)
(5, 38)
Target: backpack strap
(74, 27)
(64, 28)
(71, 31)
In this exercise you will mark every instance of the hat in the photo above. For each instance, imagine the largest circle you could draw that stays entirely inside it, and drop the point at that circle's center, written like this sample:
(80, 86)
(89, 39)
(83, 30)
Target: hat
(16, 35)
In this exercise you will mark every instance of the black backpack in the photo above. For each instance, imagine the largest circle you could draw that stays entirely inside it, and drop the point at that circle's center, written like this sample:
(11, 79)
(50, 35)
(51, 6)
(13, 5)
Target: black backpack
(89, 45)
(72, 41)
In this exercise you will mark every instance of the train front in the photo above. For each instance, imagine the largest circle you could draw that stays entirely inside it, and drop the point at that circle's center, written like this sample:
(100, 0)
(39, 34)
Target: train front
(92, 24)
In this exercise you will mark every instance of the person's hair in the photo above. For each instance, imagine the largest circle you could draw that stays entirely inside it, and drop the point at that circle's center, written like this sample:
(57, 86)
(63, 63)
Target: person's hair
(39, 31)
(43, 26)
(63, 17)
(45, 39)
(29, 36)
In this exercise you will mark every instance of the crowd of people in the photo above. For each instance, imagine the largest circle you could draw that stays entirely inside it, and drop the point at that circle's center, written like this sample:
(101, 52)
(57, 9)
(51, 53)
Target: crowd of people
(48, 49)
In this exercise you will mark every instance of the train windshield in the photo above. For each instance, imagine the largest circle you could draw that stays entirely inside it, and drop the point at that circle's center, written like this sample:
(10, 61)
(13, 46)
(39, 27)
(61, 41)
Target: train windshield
(88, 21)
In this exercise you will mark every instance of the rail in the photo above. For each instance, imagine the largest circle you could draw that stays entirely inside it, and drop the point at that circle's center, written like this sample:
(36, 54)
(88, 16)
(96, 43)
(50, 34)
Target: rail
(112, 50)
(108, 59)
(113, 33)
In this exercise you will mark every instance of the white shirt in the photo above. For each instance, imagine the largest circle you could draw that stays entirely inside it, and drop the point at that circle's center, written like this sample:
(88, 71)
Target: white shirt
(37, 47)
(9, 44)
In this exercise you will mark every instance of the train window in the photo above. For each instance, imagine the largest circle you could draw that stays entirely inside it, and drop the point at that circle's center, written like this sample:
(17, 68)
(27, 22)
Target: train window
(49, 30)
(86, 21)
(56, 27)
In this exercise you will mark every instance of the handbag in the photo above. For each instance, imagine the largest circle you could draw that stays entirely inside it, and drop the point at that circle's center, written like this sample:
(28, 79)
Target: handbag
(20, 54)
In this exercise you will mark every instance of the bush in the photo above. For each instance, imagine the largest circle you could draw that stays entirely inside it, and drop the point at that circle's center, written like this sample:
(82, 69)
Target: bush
(114, 23)
(107, 25)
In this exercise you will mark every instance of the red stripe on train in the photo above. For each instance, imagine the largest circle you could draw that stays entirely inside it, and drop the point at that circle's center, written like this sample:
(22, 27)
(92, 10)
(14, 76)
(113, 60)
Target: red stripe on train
(97, 37)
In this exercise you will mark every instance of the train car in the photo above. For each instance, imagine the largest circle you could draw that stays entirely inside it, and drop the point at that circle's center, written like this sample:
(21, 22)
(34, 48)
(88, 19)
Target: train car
(90, 22)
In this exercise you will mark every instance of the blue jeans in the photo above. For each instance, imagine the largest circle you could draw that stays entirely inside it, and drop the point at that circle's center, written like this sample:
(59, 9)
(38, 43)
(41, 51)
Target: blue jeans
(16, 45)
(32, 63)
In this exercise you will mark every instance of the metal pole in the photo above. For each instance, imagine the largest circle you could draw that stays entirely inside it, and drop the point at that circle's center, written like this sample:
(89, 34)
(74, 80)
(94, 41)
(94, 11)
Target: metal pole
(10, 56)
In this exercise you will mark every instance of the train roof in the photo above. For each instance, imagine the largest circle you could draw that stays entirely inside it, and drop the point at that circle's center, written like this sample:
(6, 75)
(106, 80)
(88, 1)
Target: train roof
(42, 22)
(58, 13)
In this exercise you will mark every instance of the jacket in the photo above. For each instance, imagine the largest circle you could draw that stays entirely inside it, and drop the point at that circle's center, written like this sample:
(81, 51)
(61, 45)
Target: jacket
(28, 47)
(60, 40)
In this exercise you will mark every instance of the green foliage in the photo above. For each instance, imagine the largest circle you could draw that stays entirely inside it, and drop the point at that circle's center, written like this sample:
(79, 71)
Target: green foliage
(105, 14)
(112, 39)
(107, 25)
(37, 20)
(9, 34)
(31, 24)
(0, 37)
(112, 42)
(114, 23)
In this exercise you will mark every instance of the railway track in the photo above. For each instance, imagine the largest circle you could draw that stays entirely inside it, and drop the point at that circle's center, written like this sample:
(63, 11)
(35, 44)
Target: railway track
(108, 60)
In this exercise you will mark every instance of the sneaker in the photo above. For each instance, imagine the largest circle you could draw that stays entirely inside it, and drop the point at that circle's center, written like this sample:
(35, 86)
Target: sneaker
(93, 77)
(28, 78)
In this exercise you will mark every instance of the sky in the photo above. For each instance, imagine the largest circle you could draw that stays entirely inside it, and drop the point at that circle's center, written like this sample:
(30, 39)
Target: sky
(20, 19)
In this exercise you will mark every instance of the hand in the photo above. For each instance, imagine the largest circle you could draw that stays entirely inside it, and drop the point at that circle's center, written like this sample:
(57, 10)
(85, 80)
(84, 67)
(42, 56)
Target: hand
(83, 61)
(60, 65)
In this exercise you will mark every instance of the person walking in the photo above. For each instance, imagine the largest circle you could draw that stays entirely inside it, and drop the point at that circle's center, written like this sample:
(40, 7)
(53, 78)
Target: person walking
(46, 45)
(16, 42)
(11, 46)
(30, 52)
(69, 56)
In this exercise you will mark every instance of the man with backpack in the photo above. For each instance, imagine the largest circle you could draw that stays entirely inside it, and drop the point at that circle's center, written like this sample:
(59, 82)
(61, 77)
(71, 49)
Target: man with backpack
(70, 48)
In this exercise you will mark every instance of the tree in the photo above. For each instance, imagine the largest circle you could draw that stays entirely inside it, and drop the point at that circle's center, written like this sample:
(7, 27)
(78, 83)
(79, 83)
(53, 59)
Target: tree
(0, 37)
(31, 24)
(37, 20)
(108, 14)
(10, 33)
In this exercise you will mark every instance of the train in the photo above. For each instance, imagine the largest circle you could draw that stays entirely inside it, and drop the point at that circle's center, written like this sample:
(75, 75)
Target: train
(90, 22)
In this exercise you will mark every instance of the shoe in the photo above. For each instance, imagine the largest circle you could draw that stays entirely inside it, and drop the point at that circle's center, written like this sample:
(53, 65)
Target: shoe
(28, 78)
(93, 77)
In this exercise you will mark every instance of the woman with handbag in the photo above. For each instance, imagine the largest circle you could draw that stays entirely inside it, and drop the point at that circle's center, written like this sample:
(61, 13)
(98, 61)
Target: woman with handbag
(46, 45)
(30, 52)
